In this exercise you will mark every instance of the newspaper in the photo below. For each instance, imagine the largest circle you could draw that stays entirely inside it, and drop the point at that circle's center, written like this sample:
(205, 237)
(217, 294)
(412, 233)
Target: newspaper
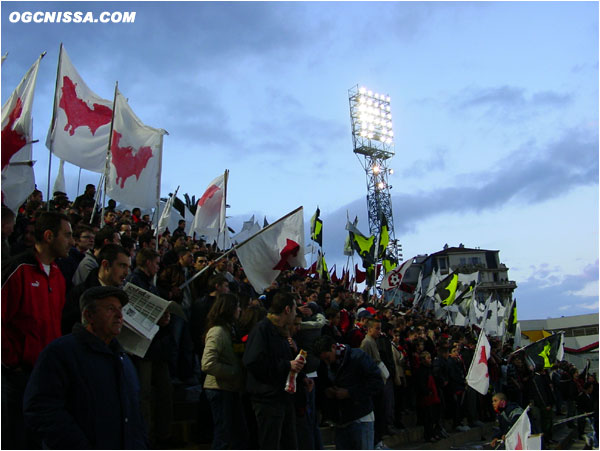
(140, 316)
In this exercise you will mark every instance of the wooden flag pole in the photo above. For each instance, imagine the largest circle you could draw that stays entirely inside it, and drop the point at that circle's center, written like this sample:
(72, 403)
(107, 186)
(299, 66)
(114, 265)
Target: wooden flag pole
(237, 246)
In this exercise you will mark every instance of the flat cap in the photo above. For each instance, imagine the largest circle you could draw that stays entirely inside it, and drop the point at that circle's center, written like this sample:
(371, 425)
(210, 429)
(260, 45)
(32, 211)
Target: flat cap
(93, 294)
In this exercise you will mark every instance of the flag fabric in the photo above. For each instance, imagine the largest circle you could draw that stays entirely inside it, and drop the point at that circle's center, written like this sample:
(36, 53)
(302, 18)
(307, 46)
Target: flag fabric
(348, 250)
(79, 132)
(511, 326)
(445, 291)
(384, 236)
(165, 216)
(478, 376)
(249, 228)
(277, 247)
(516, 437)
(322, 270)
(365, 247)
(17, 126)
(316, 228)
(135, 158)
(543, 353)
(18, 177)
(394, 278)
(210, 210)
(59, 182)
(360, 276)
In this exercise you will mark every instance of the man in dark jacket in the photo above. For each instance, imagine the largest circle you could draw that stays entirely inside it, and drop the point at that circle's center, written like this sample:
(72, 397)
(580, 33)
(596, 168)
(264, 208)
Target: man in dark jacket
(84, 391)
(269, 359)
(508, 414)
(350, 380)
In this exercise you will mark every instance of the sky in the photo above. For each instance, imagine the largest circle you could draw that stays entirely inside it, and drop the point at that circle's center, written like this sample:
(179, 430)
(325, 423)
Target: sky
(495, 113)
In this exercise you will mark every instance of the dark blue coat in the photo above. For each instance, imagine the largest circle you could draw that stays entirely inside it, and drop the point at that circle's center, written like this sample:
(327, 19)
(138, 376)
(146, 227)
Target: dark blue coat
(84, 394)
(357, 373)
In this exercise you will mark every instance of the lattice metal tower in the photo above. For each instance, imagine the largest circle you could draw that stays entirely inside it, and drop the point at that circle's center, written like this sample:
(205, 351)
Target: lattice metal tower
(373, 139)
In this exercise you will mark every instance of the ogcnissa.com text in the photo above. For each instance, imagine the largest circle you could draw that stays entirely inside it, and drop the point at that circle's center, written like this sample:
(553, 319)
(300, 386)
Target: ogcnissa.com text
(72, 17)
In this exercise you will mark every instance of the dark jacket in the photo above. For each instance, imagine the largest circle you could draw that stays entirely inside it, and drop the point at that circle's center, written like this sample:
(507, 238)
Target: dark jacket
(84, 394)
(508, 417)
(267, 358)
(358, 374)
(71, 313)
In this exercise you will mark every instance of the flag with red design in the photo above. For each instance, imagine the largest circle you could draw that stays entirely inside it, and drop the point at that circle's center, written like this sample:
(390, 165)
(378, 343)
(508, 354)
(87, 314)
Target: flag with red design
(393, 279)
(79, 132)
(277, 247)
(517, 436)
(16, 115)
(18, 180)
(478, 376)
(209, 219)
(135, 157)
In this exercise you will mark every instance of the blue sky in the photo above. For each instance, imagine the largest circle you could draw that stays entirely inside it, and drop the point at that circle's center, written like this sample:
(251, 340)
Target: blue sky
(495, 110)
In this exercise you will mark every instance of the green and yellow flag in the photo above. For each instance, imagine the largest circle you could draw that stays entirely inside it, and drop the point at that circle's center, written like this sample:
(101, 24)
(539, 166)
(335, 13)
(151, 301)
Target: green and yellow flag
(446, 290)
(316, 228)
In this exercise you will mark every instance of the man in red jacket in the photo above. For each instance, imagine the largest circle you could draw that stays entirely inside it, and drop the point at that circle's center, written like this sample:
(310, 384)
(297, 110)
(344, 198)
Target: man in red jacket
(33, 295)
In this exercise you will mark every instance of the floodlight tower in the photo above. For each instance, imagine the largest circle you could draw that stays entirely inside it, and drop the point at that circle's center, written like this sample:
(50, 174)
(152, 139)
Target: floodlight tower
(373, 139)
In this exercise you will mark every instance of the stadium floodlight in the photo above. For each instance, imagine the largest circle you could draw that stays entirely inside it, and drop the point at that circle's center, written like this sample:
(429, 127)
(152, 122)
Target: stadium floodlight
(372, 127)
(373, 144)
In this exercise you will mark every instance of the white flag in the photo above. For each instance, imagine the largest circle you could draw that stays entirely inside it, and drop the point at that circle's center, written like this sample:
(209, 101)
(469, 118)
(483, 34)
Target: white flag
(135, 158)
(516, 437)
(59, 182)
(393, 278)
(165, 216)
(16, 115)
(478, 376)
(18, 178)
(210, 210)
(80, 131)
(277, 247)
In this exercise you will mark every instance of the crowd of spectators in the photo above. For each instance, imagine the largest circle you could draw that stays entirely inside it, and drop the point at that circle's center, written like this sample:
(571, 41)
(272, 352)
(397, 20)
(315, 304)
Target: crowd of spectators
(368, 364)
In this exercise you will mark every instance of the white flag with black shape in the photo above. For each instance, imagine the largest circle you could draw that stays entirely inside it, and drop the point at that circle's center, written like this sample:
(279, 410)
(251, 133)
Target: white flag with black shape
(135, 158)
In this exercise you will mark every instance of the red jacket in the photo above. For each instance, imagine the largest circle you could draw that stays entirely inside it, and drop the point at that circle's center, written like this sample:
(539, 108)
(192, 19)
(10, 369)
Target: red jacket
(32, 304)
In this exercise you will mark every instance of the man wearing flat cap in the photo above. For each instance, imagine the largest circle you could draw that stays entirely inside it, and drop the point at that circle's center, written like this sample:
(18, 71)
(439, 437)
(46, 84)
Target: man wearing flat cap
(84, 392)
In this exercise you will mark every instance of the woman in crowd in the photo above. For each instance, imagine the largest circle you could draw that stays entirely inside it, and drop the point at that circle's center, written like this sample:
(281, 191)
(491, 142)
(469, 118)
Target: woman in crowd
(225, 377)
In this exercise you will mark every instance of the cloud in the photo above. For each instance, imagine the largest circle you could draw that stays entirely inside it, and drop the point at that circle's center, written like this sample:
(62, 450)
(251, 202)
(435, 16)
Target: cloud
(558, 292)
(506, 102)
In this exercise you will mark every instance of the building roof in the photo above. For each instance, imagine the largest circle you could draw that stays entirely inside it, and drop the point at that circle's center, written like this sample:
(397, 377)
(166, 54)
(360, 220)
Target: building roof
(563, 322)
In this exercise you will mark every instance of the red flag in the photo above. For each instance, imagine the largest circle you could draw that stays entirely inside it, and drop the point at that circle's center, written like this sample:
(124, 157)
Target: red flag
(360, 275)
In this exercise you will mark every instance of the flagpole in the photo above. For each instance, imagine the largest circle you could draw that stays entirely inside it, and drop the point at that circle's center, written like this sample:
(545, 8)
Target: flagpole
(158, 190)
(110, 136)
(237, 246)
(225, 179)
(97, 197)
(53, 121)
(78, 180)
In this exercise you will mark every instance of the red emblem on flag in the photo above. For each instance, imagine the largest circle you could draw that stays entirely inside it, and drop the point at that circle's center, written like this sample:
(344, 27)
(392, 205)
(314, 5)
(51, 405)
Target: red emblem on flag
(519, 444)
(209, 193)
(12, 141)
(78, 112)
(290, 249)
(125, 162)
(483, 359)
